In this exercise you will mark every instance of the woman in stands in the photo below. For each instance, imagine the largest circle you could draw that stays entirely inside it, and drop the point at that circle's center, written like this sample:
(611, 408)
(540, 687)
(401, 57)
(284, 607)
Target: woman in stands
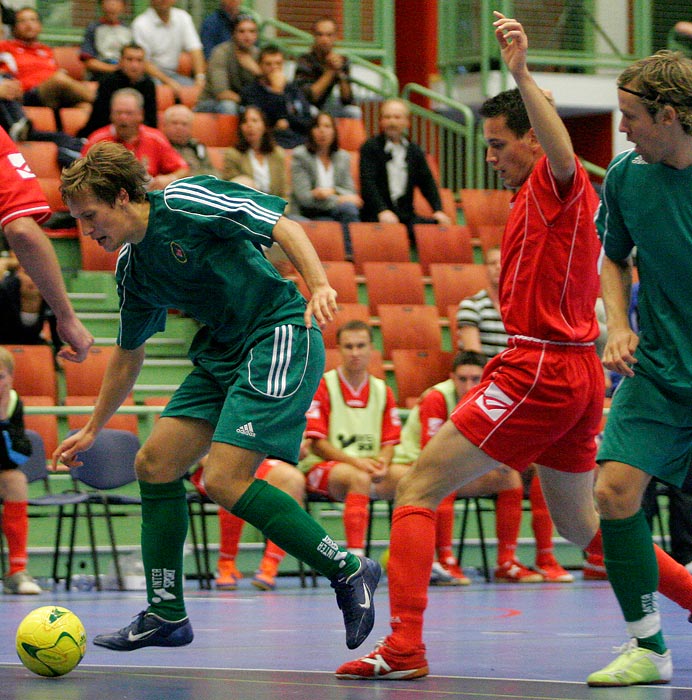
(256, 160)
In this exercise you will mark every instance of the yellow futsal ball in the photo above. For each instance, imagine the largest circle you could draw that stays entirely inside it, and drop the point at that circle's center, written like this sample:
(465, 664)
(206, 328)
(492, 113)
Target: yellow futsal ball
(51, 641)
(384, 559)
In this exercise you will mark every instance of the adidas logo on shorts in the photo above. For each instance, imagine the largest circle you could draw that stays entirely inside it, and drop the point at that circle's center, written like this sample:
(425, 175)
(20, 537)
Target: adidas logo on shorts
(246, 430)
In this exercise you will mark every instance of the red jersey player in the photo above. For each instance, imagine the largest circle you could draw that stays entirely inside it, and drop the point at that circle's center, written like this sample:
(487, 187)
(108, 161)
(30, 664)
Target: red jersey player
(540, 400)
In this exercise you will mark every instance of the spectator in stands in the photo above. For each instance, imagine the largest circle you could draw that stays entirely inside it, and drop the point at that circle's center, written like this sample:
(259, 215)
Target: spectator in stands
(353, 424)
(43, 82)
(391, 167)
(284, 104)
(424, 420)
(150, 146)
(321, 181)
(322, 69)
(130, 72)
(15, 449)
(165, 32)
(283, 476)
(104, 39)
(23, 311)
(13, 119)
(232, 66)
(177, 127)
(218, 26)
(256, 160)
(481, 330)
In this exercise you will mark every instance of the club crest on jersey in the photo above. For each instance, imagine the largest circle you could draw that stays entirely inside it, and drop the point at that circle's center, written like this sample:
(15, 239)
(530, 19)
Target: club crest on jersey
(494, 402)
(178, 253)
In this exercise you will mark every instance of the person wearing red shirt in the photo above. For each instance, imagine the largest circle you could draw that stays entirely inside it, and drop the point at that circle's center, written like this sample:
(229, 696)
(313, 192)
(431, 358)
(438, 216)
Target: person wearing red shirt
(353, 424)
(150, 146)
(32, 63)
(541, 400)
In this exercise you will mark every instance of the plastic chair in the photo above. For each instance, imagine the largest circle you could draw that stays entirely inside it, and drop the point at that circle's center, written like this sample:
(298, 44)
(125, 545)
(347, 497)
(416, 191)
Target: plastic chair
(108, 465)
(393, 283)
(344, 314)
(216, 156)
(351, 133)
(67, 57)
(341, 276)
(327, 238)
(448, 205)
(442, 244)
(42, 157)
(165, 97)
(484, 207)
(451, 283)
(73, 119)
(84, 379)
(375, 366)
(120, 421)
(415, 326)
(490, 236)
(45, 424)
(214, 129)
(34, 371)
(375, 242)
(416, 371)
(42, 118)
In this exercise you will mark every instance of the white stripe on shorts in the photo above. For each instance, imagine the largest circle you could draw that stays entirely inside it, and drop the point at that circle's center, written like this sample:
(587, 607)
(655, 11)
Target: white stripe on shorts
(281, 360)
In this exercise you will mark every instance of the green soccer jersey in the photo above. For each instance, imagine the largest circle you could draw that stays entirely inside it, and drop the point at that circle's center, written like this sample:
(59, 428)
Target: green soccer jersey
(650, 206)
(202, 254)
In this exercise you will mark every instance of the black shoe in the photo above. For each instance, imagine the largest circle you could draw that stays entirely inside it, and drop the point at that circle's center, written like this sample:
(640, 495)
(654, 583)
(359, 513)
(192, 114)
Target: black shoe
(148, 630)
(354, 595)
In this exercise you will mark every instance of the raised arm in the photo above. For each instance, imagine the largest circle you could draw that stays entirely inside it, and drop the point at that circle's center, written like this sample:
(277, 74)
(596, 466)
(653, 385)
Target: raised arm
(547, 125)
(295, 243)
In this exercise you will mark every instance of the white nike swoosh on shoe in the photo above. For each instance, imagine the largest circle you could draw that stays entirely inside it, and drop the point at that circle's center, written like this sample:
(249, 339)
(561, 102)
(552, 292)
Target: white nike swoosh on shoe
(366, 604)
(140, 635)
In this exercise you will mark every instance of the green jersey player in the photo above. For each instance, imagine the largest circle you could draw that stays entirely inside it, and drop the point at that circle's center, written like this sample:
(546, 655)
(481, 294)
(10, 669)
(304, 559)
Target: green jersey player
(258, 358)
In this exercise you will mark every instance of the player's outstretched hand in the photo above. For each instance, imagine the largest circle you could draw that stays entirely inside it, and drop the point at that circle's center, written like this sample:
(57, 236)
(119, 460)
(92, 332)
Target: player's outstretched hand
(68, 450)
(513, 42)
(618, 355)
(322, 304)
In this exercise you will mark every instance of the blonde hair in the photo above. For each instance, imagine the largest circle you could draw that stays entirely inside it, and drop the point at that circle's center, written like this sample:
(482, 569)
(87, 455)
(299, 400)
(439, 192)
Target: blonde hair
(106, 169)
(665, 78)
(7, 359)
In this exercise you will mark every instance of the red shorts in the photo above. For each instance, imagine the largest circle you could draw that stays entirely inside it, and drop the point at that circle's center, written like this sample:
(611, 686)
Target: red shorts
(537, 403)
(317, 478)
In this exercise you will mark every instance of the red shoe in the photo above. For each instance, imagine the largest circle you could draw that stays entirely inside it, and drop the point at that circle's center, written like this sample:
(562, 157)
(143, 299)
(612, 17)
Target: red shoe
(386, 664)
(551, 571)
(228, 577)
(451, 566)
(513, 571)
(594, 568)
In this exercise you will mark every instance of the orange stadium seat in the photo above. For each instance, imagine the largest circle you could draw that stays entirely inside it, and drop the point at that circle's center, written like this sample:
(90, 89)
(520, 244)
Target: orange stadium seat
(442, 244)
(484, 207)
(327, 238)
(489, 235)
(414, 327)
(375, 242)
(42, 118)
(451, 283)
(42, 157)
(67, 58)
(344, 314)
(215, 129)
(84, 378)
(393, 283)
(415, 371)
(341, 276)
(34, 371)
(73, 119)
(122, 421)
(351, 133)
(45, 424)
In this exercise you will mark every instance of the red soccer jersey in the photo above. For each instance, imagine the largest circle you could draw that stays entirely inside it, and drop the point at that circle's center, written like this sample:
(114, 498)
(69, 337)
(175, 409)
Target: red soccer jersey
(30, 63)
(151, 148)
(549, 281)
(354, 397)
(432, 412)
(20, 193)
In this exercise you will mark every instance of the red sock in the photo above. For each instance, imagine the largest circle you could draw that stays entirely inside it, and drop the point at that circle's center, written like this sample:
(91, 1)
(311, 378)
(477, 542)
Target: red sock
(15, 526)
(444, 527)
(274, 552)
(355, 519)
(674, 580)
(507, 523)
(411, 554)
(541, 522)
(230, 530)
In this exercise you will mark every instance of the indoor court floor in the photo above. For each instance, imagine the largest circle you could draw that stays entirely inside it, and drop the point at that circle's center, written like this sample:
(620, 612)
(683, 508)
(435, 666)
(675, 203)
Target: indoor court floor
(520, 642)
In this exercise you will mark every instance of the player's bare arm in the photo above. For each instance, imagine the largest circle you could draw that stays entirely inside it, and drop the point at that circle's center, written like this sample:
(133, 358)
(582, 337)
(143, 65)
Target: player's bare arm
(118, 381)
(295, 243)
(616, 281)
(547, 125)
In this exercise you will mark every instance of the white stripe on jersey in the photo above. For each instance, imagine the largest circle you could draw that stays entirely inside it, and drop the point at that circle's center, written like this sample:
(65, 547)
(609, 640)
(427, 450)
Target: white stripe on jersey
(281, 360)
(222, 202)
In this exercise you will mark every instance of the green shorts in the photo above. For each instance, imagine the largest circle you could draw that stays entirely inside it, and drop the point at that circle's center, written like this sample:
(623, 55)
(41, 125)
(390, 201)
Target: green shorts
(257, 401)
(649, 430)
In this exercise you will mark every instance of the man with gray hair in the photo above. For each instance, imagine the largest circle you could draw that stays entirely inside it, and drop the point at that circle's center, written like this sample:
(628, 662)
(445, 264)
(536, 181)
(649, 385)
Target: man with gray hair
(163, 163)
(177, 127)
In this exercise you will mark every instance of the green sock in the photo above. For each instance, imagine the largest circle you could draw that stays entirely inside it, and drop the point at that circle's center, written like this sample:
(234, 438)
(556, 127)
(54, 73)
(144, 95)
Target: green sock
(164, 528)
(633, 573)
(284, 522)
